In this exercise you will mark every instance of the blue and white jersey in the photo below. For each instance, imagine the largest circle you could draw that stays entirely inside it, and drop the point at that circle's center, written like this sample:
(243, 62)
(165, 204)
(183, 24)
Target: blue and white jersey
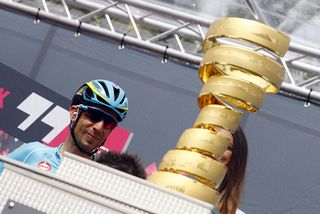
(37, 155)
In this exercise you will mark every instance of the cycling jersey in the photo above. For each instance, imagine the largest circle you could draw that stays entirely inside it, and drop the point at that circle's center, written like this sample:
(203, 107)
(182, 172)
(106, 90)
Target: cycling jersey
(37, 155)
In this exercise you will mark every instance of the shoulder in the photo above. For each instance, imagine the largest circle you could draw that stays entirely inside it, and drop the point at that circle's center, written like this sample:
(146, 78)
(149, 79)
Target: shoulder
(26, 149)
(33, 145)
(37, 145)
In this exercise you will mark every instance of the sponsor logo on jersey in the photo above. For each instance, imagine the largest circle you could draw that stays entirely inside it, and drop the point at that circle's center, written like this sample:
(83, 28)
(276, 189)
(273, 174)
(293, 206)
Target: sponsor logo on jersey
(44, 166)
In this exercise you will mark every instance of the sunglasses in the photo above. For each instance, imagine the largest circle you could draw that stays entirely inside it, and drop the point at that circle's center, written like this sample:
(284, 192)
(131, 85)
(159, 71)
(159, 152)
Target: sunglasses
(96, 115)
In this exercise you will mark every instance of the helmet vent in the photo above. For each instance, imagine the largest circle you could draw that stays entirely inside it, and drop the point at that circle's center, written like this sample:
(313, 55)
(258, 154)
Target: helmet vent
(102, 100)
(122, 100)
(89, 92)
(116, 93)
(105, 88)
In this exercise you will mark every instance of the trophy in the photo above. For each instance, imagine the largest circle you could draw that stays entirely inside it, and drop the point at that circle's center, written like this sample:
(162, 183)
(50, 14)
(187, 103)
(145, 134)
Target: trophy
(236, 77)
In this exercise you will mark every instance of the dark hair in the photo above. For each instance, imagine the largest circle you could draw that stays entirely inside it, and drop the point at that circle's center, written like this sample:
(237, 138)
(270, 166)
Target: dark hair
(122, 161)
(232, 185)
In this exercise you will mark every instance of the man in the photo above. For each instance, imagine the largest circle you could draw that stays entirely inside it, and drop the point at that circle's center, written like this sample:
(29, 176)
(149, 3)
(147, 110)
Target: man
(96, 109)
(124, 162)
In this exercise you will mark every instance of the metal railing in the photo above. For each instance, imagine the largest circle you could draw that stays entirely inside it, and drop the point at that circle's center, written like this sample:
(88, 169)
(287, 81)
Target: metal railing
(166, 31)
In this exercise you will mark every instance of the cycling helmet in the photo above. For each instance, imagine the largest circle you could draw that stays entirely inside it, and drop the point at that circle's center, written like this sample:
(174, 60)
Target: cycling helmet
(103, 94)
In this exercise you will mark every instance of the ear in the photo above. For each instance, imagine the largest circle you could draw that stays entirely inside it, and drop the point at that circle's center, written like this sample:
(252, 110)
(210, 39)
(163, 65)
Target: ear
(73, 113)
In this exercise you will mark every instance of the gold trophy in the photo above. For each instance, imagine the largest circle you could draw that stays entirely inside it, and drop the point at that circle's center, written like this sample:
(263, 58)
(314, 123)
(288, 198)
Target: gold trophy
(234, 78)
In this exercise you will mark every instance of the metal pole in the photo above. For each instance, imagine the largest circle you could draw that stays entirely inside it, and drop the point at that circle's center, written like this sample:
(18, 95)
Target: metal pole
(260, 17)
(255, 11)
(295, 59)
(285, 66)
(193, 35)
(96, 12)
(166, 11)
(308, 81)
(45, 5)
(132, 21)
(311, 83)
(302, 92)
(164, 34)
(311, 69)
(109, 22)
(73, 24)
(189, 58)
(84, 4)
(65, 6)
(179, 43)
(295, 47)
(302, 49)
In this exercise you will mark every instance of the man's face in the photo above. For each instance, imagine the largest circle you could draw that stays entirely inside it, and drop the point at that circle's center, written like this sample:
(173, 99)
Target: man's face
(91, 130)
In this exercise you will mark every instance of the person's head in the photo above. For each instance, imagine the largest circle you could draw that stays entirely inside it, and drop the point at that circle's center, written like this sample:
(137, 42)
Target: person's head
(235, 158)
(123, 162)
(96, 109)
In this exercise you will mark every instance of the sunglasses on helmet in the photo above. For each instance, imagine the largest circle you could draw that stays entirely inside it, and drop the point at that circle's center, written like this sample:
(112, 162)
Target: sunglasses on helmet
(97, 115)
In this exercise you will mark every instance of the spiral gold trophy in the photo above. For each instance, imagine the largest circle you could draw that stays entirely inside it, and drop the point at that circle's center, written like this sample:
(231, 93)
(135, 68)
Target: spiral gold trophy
(233, 76)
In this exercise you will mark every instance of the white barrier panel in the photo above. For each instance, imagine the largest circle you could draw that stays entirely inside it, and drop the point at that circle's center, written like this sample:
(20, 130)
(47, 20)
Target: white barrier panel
(84, 186)
(128, 189)
(47, 193)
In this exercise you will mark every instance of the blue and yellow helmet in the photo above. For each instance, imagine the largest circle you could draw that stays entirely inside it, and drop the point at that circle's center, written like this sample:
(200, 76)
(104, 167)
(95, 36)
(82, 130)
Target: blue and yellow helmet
(103, 94)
